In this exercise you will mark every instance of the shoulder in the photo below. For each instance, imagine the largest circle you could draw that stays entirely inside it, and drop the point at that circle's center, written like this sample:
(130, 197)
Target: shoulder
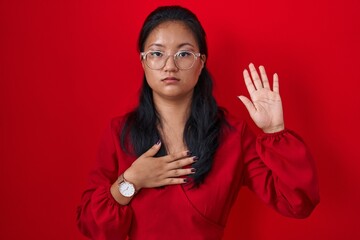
(234, 123)
(238, 132)
(118, 122)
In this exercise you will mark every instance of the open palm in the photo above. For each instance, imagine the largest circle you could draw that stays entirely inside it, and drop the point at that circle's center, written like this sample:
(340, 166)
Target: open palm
(265, 107)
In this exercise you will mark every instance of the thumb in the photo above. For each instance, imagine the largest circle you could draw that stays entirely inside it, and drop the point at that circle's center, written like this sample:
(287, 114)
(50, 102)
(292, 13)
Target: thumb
(153, 150)
(248, 104)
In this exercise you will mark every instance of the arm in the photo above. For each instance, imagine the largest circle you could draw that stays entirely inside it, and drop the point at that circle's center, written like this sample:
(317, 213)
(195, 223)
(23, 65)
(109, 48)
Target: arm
(104, 213)
(281, 171)
(99, 216)
(279, 167)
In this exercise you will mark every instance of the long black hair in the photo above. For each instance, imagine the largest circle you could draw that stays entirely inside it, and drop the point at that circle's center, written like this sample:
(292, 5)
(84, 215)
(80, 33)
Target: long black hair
(202, 130)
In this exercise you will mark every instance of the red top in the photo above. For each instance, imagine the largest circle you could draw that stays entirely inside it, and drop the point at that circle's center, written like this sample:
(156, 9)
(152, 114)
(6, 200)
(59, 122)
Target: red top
(277, 167)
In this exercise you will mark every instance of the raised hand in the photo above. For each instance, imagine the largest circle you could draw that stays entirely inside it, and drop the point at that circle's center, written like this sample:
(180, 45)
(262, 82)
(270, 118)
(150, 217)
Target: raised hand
(265, 107)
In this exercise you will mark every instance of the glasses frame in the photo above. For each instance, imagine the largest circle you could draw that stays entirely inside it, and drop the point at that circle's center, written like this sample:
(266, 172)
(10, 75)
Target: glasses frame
(144, 54)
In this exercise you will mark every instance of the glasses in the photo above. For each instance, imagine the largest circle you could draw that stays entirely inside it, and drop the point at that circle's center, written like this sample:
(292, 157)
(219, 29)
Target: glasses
(156, 60)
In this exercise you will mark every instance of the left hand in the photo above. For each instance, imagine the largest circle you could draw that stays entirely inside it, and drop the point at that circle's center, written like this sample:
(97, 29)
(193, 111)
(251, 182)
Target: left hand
(265, 107)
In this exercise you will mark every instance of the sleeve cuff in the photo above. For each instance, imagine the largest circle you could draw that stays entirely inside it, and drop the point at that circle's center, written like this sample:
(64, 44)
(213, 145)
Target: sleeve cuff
(273, 135)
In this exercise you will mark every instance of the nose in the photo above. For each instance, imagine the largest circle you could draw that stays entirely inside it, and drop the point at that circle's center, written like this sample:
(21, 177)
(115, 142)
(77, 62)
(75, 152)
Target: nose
(170, 65)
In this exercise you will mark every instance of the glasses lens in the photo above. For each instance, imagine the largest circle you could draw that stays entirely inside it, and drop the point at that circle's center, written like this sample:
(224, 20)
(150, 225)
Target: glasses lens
(155, 60)
(184, 59)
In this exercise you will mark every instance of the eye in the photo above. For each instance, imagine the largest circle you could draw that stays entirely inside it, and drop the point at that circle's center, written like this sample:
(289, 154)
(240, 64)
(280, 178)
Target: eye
(183, 54)
(155, 54)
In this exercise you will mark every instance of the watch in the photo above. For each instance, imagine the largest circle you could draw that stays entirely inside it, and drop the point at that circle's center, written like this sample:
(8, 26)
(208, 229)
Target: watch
(127, 189)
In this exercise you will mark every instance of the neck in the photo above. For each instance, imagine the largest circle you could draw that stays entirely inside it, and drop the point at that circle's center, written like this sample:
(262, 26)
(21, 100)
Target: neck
(173, 116)
(173, 112)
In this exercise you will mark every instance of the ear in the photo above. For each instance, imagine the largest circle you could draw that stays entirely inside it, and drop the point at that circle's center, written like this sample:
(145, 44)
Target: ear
(142, 62)
(143, 65)
(203, 60)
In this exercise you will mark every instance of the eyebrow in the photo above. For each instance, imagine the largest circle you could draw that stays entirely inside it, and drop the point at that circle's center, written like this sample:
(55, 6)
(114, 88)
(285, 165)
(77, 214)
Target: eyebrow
(179, 46)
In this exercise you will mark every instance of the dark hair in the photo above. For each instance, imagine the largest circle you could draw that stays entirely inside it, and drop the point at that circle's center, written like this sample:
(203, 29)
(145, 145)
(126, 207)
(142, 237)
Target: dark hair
(203, 127)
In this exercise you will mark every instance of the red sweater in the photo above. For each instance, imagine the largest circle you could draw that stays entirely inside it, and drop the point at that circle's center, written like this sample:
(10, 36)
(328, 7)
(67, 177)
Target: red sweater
(277, 167)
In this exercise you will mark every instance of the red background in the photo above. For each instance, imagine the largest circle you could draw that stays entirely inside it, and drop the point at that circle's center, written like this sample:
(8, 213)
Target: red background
(67, 67)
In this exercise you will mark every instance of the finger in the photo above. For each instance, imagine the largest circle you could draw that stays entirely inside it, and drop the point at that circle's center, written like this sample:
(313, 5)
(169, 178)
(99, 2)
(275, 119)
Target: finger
(255, 76)
(176, 156)
(249, 84)
(264, 77)
(174, 181)
(180, 172)
(276, 87)
(153, 150)
(181, 163)
(248, 104)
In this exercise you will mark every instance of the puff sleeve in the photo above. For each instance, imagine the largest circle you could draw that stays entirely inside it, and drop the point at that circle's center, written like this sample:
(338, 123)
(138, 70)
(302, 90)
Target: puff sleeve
(281, 171)
(99, 216)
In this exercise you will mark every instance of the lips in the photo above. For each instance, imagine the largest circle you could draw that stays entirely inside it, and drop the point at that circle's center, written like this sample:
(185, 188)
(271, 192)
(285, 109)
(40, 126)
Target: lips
(168, 79)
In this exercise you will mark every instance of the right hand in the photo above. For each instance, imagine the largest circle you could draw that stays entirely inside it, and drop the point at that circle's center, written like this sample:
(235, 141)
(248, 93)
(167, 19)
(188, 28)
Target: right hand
(148, 171)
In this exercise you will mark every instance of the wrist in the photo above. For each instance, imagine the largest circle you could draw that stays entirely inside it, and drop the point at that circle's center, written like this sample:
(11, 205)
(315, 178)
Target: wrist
(130, 176)
(274, 129)
(119, 198)
(126, 188)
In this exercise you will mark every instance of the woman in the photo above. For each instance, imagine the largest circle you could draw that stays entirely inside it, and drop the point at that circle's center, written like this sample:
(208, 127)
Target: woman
(172, 168)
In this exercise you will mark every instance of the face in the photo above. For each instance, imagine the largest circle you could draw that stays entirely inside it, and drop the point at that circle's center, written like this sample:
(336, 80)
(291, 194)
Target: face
(170, 82)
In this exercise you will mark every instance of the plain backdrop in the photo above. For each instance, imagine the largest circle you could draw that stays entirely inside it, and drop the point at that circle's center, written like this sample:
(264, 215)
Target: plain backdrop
(67, 67)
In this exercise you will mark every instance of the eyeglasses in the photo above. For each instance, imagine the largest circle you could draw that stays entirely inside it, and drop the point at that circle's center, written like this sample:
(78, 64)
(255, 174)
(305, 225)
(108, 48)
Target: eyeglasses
(156, 60)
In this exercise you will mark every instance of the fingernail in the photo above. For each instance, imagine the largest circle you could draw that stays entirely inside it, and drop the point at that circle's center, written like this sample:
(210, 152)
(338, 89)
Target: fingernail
(158, 142)
(188, 153)
(185, 180)
(195, 158)
(193, 170)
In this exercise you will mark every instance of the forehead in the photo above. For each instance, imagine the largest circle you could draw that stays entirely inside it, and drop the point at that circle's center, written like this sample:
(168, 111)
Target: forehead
(171, 34)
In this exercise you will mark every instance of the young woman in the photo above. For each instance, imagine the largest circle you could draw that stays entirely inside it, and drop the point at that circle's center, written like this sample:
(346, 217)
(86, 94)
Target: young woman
(172, 168)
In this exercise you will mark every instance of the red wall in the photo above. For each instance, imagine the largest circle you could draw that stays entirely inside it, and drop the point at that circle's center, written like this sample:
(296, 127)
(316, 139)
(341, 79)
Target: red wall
(67, 67)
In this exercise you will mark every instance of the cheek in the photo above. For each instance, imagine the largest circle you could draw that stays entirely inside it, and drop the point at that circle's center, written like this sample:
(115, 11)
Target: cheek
(193, 77)
(151, 78)
(148, 74)
(199, 69)
(195, 74)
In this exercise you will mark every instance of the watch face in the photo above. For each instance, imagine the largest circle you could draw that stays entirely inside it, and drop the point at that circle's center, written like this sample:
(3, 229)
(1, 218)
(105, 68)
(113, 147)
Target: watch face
(126, 189)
